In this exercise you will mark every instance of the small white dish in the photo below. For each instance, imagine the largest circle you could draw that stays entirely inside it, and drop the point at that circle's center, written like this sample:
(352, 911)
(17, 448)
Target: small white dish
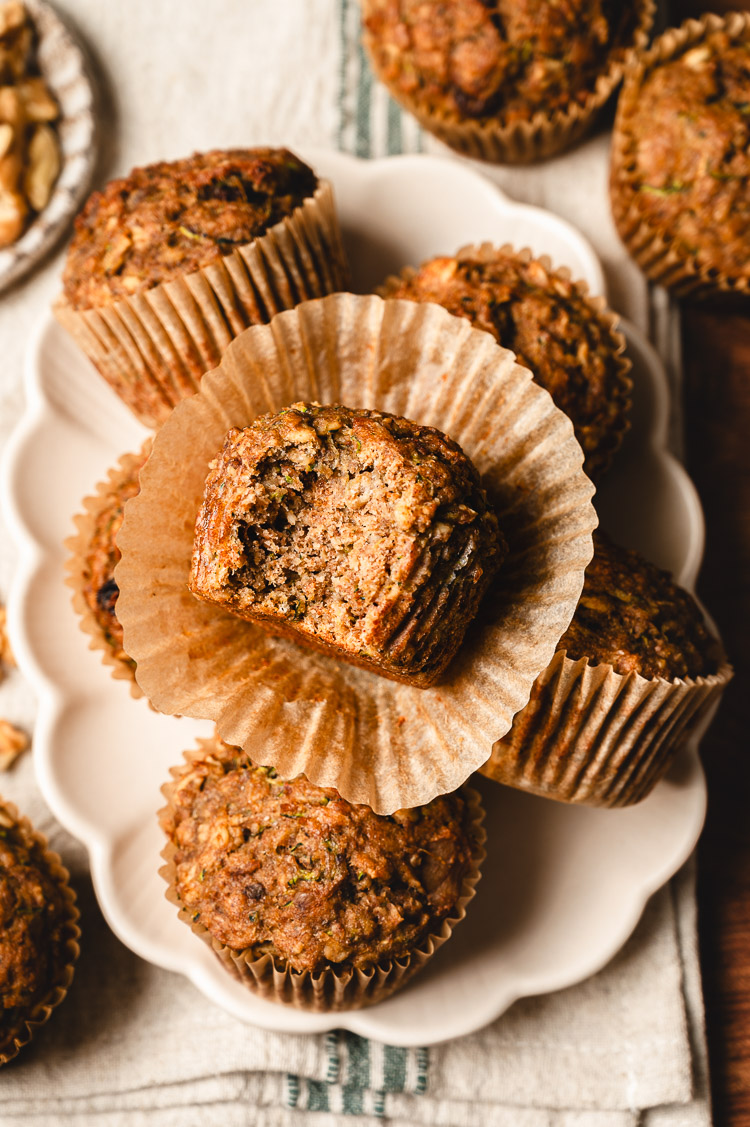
(563, 886)
(65, 68)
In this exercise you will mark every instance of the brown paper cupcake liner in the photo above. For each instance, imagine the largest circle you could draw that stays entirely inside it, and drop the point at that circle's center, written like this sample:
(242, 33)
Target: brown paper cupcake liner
(379, 742)
(330, 989)
(154, 347)
(77, 571)
(19, 1033)
(595, 737)
(651, 248)
(622, 389)
(521, 142)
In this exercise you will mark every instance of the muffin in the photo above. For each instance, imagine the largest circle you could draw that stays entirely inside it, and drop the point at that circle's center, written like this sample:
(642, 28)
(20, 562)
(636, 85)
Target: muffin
(564, 337)
(38, 931)
(376, 740)
(93, 557)
(356, 532)
(681, 153)
(169, 264)
(501, 80)
(306, 897)
(634, 673)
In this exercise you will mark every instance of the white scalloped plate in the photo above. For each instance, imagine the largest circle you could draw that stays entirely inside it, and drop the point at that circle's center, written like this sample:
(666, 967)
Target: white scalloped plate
(563, 887)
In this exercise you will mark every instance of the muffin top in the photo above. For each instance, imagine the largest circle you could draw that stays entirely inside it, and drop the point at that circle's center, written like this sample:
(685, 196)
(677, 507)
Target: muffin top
(359, 529)
(496, 58)
(688, 130)
(175, 217)
(551, 325)
(633, 616)
(33, 926)
(293, 870)
(102, 555)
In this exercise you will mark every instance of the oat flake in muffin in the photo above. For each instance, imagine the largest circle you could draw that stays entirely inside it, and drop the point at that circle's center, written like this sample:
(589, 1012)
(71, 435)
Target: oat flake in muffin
(356, 532)
(176, 217)
(560, 334)
(289, 869)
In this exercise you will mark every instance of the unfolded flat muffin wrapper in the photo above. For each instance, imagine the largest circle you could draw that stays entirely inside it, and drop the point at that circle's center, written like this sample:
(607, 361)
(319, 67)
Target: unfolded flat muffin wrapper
(651, 247)
(595, 737)
(13, 1039)
(331, 989)
(154, 347)
(488, 252)
(521, 142)
(77, 569)
(379, 742)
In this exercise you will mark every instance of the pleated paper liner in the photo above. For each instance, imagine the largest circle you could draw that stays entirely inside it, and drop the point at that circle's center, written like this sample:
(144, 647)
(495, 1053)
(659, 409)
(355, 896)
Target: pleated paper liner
(154, 347)
(621, 390)
(19, 1029)
(651, 247)
(544, 134)
(78, 573)
(595, 737)
(333, 988)
(378, 742)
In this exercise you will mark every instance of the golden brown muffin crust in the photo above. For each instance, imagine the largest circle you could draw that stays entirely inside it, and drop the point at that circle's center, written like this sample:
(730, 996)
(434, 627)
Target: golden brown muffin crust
(33, 929)
(633, 616)
(554, 330)
(503, 58)
(295, 871)
(690, 130)
(176, 217)
(348, 529)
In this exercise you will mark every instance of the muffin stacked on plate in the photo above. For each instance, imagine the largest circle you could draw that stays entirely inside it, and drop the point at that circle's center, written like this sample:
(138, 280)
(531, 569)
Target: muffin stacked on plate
(92, 560)
(356, 532)
(169, 264)
(430, 565)
(633, 675)
(307, 898)
(567, 339)
(508, 80)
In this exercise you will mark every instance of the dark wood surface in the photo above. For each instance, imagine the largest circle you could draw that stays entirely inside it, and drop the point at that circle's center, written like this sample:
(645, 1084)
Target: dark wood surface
(716, 351)
(717, 417)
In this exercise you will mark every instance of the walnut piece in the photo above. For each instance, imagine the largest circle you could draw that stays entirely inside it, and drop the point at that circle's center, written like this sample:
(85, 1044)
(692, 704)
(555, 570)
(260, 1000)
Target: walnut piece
(13, 742)
(29, 147)
(6, 653)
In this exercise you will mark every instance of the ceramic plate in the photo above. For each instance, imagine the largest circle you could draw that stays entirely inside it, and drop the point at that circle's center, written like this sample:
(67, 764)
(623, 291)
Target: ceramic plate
(563, 887)
(63, 63)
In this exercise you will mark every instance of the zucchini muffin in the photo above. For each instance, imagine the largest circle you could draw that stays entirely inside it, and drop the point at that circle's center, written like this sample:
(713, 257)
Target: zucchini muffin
(634, 673)
(169, 264)
(681, 153)
(94, 556)
(38, 931)
(565, 338)
(282, 869)
(473, 70)
(175, 217)
(356, 532)
(634, 617)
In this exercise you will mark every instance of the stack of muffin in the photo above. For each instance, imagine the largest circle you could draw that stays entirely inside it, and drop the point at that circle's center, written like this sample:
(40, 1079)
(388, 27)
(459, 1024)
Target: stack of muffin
(372, 606)
(316, 515)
